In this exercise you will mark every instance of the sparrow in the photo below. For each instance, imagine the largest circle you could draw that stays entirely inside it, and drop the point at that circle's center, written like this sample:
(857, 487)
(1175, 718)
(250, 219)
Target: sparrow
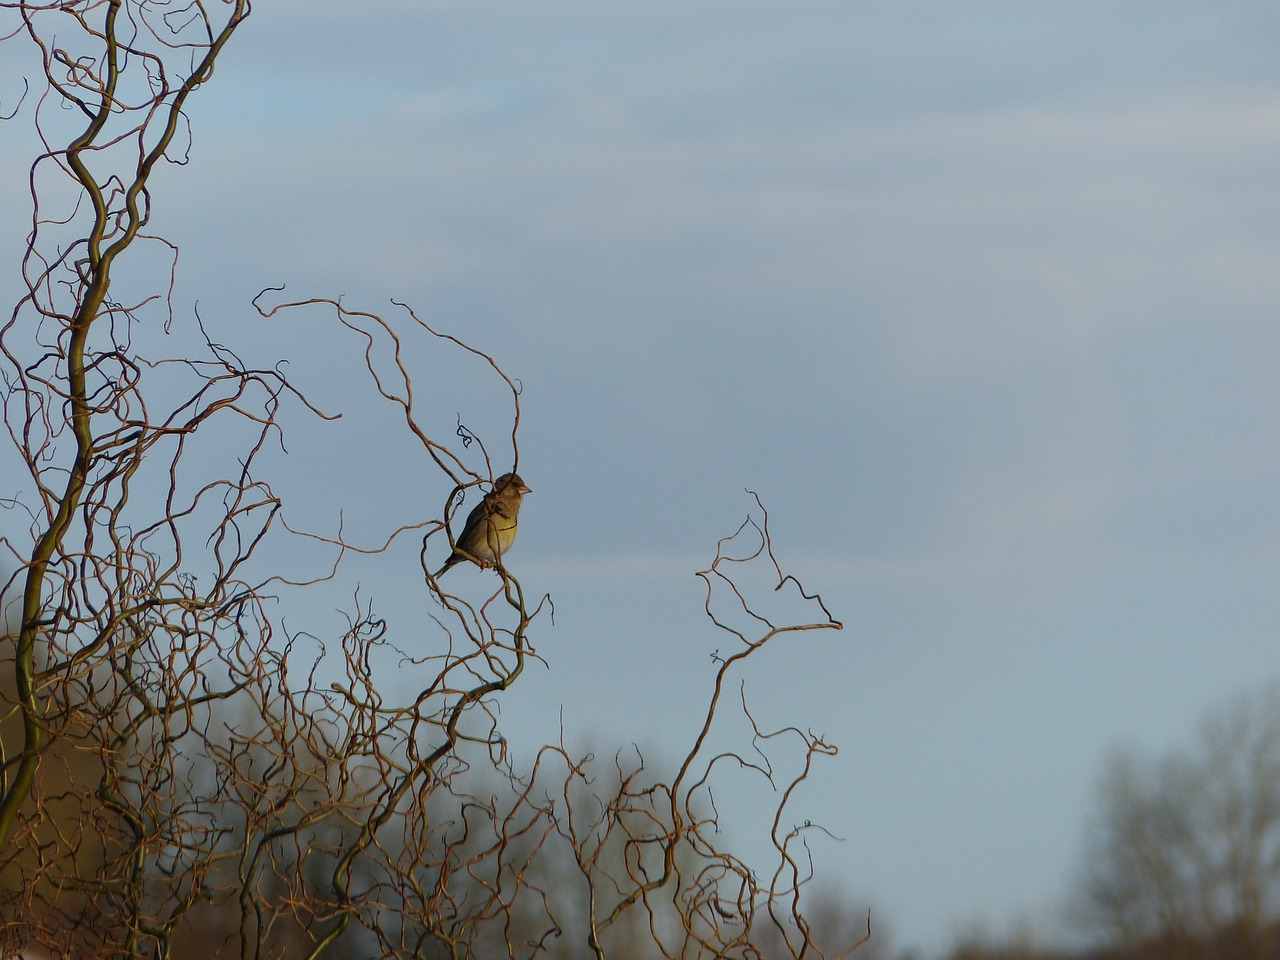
(491, 526)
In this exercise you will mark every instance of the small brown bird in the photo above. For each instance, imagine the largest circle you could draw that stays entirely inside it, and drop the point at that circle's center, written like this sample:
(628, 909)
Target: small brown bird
(491, 526)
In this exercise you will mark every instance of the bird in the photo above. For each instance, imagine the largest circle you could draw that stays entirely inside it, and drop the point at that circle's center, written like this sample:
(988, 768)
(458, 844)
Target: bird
(491, 526)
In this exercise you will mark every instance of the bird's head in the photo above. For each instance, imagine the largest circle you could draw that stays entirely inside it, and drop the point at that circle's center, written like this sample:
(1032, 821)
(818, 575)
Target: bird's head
(510, 485)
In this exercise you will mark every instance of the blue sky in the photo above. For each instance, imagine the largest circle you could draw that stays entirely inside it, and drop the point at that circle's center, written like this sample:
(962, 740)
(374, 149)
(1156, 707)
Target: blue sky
(980, 298)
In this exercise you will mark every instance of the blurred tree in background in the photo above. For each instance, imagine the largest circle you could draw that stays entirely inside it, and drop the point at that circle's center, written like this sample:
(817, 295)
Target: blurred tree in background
(183, 774)
(1183, 853)
(1185, 856)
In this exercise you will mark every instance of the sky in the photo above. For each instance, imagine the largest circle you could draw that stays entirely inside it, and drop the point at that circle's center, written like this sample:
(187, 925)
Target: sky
(979, 297)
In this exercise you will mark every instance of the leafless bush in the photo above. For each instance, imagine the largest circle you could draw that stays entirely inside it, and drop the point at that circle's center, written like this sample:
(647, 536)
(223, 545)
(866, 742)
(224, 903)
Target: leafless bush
(185, 775)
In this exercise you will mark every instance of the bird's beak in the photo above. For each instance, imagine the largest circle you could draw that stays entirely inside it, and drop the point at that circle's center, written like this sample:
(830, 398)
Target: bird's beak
(524, 489)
